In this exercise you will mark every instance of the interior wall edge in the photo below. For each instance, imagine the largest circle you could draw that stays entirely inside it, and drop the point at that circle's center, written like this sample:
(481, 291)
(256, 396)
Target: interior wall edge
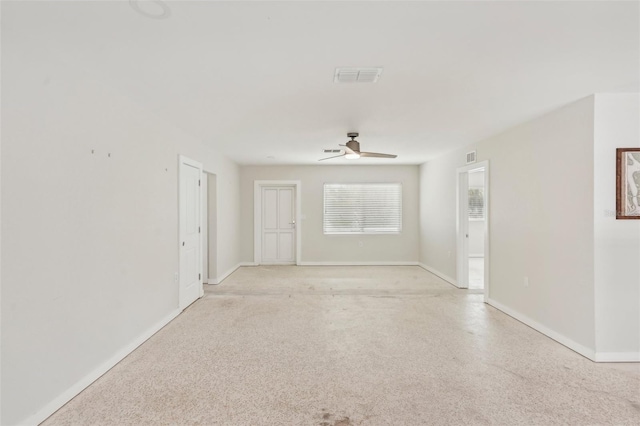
(439, 274)
(563, 340)
(222, 277)
(66, 396)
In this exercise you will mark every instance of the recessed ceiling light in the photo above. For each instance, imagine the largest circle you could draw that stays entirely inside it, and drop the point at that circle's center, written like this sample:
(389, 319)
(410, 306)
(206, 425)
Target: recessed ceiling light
(357, 75)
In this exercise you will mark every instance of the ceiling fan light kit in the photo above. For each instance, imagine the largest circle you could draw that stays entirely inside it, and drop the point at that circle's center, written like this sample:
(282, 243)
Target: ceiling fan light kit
(352, 150)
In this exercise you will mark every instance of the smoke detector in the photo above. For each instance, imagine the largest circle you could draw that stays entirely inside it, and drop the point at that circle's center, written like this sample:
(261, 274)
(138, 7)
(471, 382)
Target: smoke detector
(357, 75)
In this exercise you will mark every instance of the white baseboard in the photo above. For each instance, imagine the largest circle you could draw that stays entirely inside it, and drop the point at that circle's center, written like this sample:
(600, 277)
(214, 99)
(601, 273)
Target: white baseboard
(83, 383)
(574, 346)
(222, 277)
(331, 263)
(617, 357)
(439, 274)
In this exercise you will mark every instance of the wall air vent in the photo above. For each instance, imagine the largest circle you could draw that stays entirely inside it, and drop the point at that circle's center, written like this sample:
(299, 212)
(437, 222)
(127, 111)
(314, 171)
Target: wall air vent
(332, 151)
(471, 157)
(357, 75)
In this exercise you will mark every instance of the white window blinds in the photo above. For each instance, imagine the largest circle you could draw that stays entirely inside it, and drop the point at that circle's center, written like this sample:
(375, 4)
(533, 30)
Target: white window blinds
(476, 203)
(362, 208)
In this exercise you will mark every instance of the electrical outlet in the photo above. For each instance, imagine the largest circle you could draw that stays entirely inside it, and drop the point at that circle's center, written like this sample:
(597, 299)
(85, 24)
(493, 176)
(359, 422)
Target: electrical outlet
(175, 277)
(449, 253)
(526, 281)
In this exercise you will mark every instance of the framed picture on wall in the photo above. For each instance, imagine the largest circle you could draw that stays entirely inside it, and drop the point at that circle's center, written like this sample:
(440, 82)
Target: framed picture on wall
(628, 183)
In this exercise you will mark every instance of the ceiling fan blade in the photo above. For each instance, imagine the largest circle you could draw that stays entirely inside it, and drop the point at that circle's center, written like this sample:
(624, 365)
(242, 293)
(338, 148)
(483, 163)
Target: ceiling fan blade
(377, 155)
(329, 158)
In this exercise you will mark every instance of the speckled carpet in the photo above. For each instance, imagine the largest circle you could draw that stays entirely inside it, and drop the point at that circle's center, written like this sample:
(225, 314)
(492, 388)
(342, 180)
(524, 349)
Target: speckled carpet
(332, 346)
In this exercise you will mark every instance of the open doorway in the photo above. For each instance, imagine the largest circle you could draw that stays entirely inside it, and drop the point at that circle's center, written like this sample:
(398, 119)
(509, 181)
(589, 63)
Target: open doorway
(476, 219)
(473, 227)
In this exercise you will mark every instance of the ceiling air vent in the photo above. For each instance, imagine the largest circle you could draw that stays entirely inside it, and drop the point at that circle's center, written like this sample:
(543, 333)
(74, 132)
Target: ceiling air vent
(357, 75)
(332, 151)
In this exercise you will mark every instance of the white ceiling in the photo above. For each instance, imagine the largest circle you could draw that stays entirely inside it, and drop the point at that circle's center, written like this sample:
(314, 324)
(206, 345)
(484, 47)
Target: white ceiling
(256, 79)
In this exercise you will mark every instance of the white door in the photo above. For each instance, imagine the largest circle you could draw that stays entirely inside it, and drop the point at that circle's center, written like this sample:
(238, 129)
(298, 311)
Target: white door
(278, 224)
(190, 217)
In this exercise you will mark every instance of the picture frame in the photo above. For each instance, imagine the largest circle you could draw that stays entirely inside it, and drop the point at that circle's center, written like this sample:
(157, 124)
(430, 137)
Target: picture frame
(628, 183)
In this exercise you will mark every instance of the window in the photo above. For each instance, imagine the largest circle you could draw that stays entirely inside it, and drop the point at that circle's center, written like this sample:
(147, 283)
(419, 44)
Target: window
(362, 208)
(476, 203)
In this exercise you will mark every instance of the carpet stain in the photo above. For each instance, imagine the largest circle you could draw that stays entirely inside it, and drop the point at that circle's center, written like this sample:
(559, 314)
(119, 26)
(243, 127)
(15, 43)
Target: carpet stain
(328, 419)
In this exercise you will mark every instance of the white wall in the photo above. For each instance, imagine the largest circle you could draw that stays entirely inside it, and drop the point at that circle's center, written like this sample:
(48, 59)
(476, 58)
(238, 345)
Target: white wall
(228, 224)
(317, 247)
(438, 214)
(89, 242)
(476, 238)
(617, 242)
(541, 220)
(476, 179)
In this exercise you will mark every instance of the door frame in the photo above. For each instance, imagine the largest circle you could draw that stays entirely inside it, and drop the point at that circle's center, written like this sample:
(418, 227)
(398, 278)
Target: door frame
(257, 216)
(462, 224)
(182, 161)
(204, 238)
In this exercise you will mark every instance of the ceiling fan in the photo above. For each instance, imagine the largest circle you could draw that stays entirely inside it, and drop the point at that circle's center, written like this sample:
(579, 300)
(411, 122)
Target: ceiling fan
(352, 150)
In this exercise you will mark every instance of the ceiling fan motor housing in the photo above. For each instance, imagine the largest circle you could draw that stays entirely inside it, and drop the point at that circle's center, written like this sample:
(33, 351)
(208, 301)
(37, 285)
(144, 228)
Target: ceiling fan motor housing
(354, 145)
